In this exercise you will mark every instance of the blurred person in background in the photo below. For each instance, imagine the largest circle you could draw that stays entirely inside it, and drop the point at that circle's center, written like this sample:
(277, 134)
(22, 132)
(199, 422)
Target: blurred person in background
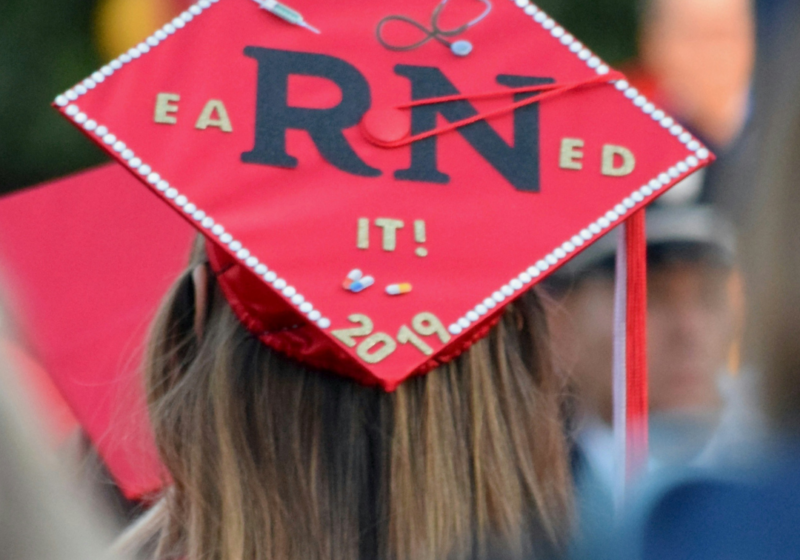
(41, 518)
(702, 410)
(712, 517)
(696, 59)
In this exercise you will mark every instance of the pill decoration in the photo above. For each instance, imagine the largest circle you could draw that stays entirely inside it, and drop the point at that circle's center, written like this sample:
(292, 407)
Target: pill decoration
(352, 276)
(298, 155)
(361, 284)
(398, 289)
(356, 281)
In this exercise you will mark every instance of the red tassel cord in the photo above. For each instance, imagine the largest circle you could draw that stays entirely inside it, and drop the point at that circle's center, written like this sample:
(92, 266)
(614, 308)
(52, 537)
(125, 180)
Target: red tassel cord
(543, 92)
(636, 432)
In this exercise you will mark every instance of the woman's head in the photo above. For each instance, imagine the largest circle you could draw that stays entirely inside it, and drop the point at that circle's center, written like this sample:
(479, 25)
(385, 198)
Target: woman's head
(270, 459)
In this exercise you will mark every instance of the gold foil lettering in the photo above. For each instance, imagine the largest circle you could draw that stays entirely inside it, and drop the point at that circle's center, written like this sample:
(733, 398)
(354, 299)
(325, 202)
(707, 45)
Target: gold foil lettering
(390, 228)
(166, 104)
(206, 118)
(610, 154)
(571, 154)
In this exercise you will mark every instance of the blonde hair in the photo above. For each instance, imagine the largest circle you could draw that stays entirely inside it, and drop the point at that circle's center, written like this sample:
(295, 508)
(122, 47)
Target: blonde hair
(272, 460)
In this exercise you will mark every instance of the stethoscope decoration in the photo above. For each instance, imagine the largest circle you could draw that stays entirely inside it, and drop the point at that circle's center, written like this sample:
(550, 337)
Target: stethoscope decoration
(462, 47)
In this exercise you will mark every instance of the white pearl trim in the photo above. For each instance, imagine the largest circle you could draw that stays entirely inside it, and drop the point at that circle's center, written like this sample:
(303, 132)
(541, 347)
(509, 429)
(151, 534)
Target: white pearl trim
(560, 253)
(180, 200)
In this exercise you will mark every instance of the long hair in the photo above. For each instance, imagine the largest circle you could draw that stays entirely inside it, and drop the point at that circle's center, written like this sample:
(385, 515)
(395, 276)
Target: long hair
(270, 459)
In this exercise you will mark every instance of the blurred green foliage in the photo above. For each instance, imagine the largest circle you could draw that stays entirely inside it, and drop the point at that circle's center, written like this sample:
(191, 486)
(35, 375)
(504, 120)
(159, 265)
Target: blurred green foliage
(46, 46)
(608, 27)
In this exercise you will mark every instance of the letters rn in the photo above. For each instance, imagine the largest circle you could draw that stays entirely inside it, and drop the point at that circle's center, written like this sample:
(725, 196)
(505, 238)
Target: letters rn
(517, 163)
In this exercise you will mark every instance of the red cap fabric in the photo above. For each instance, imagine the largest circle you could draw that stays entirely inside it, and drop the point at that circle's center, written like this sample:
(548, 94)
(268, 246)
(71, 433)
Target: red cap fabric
(354, 225)
(85, 262)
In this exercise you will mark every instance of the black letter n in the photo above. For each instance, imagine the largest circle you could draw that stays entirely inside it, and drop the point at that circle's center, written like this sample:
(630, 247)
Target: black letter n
(325, 126)
(518, 164)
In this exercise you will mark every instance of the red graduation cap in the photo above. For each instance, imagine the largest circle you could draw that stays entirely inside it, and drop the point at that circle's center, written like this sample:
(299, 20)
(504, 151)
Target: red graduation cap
(377, 182)
(85, 262)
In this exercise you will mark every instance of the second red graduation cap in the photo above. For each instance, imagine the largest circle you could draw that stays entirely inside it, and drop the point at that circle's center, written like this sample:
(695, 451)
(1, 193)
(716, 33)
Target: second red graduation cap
(373, 195)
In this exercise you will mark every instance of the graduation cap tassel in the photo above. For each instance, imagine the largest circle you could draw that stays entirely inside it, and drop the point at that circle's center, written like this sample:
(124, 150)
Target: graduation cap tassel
(620, 308)
(630, 356)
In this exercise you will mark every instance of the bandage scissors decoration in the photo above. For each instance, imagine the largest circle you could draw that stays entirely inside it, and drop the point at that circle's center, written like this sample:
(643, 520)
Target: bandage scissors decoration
(461, 47)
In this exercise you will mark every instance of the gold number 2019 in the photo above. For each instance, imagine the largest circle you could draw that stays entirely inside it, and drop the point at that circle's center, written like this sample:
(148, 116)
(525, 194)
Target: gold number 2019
(425, 324)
